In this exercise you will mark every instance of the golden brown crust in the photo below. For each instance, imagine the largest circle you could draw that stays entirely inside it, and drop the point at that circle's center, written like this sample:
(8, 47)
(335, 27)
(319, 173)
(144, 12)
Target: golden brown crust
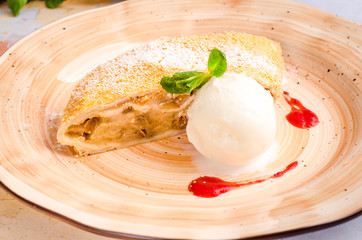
(138, 73)
(140, 70)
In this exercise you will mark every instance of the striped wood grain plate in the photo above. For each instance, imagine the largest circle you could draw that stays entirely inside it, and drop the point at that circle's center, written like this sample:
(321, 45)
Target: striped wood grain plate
(142, 190)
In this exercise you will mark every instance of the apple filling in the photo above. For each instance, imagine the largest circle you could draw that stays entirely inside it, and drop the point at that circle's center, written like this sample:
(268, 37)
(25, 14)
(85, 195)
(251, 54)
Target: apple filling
(139, 119)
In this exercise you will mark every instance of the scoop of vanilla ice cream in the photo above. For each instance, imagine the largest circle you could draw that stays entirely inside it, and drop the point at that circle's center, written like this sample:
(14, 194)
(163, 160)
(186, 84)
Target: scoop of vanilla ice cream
(232, 120)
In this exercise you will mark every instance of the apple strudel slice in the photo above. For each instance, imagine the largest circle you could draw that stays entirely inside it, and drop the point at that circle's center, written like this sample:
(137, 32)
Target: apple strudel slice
(121, 102)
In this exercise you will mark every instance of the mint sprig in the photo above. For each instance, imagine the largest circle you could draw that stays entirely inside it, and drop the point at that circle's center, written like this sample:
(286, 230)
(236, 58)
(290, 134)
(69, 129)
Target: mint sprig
(16, 5)
(53, 3)
(186, 82)
(217, 63)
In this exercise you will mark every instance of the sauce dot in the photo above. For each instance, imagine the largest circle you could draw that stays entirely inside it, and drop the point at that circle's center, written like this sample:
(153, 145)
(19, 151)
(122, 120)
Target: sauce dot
(299, 116)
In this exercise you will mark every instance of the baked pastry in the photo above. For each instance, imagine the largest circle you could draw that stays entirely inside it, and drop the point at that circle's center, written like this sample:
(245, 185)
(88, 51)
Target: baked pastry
(121, 102)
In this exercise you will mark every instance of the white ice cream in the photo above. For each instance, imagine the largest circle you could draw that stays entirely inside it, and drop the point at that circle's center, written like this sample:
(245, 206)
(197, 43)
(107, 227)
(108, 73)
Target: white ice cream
(232, 120)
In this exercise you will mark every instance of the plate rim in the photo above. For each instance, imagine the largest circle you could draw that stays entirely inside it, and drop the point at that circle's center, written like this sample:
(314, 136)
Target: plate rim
(119, 234)
(126, 236)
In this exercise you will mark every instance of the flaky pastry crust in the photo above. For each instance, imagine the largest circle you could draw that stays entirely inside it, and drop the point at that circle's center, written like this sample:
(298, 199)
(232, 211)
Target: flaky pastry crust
(138, 73)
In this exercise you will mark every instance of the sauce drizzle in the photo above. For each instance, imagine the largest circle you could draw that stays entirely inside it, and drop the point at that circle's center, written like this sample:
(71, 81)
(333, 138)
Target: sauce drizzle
(299, 116)
(209, 187)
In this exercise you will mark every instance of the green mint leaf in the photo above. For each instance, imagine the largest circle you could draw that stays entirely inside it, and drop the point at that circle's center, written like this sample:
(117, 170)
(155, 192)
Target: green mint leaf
(169, 85)
(217, 63)
(205, 79)
(186, 82)
(186, 79)
(53, 3)
(183, 82)
(186, 75)
(16, 5)
(198, 82)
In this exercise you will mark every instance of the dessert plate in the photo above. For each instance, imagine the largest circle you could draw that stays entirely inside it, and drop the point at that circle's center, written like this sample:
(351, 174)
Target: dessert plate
(142, 191)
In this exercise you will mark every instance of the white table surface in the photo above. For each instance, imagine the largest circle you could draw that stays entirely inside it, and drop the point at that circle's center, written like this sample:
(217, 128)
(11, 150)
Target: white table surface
(13, 223)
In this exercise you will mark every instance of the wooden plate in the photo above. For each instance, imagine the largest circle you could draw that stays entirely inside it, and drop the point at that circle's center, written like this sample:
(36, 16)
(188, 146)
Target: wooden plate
(142, 190)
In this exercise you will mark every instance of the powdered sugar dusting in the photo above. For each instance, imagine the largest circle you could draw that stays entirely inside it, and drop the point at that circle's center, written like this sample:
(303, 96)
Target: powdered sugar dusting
(141, 69)
(170, 53)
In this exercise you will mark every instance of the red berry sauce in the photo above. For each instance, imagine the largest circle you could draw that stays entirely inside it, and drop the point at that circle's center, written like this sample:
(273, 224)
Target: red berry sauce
(209, 187)
(299, 116)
